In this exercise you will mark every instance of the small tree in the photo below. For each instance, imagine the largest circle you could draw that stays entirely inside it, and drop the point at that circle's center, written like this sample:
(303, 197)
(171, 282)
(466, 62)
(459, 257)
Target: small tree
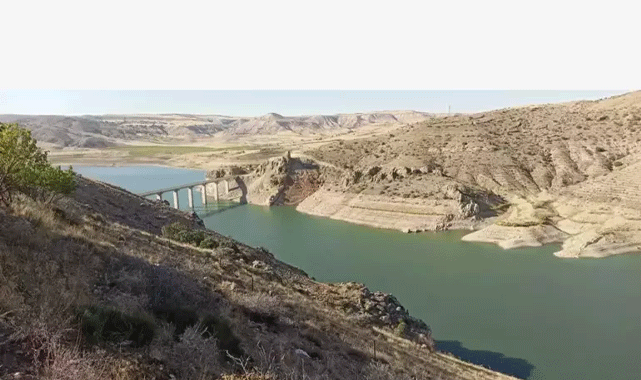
(24, 168)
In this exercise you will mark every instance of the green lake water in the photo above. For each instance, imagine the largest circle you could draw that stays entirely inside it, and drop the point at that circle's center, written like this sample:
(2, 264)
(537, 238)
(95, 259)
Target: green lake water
(523, 312)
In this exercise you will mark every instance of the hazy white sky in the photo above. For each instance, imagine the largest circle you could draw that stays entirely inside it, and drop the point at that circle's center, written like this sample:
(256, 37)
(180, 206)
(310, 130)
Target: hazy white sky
(321, 45)
(255, 103)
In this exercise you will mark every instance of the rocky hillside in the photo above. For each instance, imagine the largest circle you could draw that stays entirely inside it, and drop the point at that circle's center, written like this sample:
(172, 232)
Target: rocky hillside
(519, 150)
(561, 171)
(98, 286)
(278, 181)
(107, 130)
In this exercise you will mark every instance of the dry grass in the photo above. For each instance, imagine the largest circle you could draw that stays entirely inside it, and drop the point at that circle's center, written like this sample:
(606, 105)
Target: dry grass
(214, 312)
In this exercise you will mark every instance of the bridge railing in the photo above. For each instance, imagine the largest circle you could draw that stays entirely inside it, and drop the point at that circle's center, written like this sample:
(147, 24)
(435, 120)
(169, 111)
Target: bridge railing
(190, 190)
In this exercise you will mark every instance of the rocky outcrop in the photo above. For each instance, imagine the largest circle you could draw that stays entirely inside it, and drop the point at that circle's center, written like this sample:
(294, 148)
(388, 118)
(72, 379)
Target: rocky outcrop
(229, 171)
(387, 212)
(595, 218)
(409, 199)
(278, 181)
(383, 310)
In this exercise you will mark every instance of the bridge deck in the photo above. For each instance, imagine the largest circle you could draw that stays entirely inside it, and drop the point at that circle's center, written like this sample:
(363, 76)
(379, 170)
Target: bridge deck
(187, 185)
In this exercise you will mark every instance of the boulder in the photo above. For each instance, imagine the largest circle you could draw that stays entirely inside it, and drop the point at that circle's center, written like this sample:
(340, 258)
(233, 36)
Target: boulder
(193, 216)
(469, 209)
(373, 170)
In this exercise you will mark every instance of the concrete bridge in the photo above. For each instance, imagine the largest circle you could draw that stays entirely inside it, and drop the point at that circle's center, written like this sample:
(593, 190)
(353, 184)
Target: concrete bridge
(203, 189)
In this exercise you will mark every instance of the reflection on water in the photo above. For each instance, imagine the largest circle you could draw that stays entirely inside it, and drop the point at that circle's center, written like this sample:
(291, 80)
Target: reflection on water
(215, 208)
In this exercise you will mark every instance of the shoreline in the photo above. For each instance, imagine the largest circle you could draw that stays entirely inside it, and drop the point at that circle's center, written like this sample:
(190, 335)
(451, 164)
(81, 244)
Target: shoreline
(574, 243)
(104, 164)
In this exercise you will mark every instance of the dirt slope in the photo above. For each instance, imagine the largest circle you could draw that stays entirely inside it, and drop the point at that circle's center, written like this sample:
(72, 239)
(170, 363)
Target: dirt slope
(151, 307)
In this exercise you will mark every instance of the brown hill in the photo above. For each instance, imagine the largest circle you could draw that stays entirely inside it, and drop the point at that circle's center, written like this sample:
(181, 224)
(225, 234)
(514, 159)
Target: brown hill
(106, 130)
(439, 169)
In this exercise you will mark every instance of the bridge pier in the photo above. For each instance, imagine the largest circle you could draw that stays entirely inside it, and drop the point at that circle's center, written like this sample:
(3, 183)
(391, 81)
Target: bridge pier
(176, 205)
(190, 191)
(203, 193)
(190, 197)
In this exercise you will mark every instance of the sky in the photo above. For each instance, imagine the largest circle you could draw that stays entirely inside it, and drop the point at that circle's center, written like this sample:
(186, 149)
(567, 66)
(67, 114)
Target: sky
(298, 57)
(285, 102)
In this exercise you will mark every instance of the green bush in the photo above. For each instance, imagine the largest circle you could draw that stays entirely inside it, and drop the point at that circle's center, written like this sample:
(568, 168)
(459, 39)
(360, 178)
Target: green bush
(183, 236)
(24, 168)
(191, 237)
(172, 231)
(109, 325)
(194, 237)
(180, 232)
(209, 243)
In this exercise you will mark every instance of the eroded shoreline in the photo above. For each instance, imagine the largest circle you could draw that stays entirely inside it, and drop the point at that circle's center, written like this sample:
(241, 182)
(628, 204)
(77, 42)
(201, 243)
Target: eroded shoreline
(510, 230)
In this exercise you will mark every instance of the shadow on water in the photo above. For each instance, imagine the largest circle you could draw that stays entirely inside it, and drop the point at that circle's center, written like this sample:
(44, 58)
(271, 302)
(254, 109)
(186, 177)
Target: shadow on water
(243, 189)
(205, 212)
(496, 361)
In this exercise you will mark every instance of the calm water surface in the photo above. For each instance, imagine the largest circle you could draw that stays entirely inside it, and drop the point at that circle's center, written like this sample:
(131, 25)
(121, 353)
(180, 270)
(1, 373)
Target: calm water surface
(522, 311)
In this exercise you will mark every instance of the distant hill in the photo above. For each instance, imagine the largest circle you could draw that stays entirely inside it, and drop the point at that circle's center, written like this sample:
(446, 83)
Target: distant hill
(106, 130)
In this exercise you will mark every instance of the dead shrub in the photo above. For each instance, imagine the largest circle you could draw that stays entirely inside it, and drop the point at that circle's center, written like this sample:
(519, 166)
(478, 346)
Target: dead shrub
(110, 325)
(192, 356)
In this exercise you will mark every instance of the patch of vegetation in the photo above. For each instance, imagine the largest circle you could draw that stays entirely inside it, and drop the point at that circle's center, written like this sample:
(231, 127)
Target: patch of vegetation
(220, 329)
(179, 232)
(209, 243)
(109, 325)
(171, 231)
(400, 328)
(210, 325)
(24, 168)
(520, 223)
(153, 150)
(181, 318)
(230, 245)
(194, 237)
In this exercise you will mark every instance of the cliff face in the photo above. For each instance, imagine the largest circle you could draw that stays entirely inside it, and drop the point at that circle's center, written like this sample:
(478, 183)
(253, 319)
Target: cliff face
(90, 287)
(278, 181)
(403, 198)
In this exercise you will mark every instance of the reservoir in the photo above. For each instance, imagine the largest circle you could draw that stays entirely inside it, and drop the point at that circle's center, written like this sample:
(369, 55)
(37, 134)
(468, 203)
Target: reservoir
(523, 312)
